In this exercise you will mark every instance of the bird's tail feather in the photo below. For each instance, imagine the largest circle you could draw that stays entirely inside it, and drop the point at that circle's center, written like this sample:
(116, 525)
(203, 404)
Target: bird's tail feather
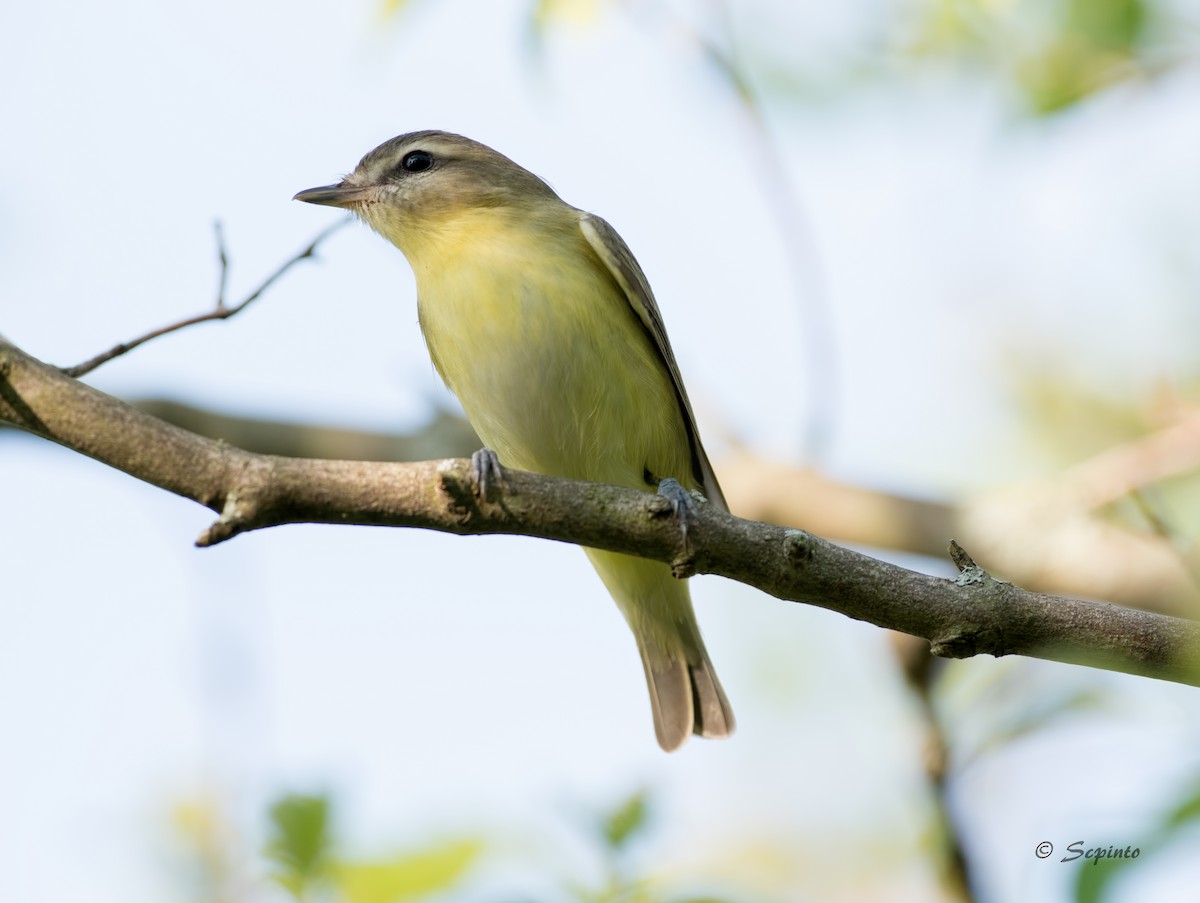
(685, 695)
(686, 698)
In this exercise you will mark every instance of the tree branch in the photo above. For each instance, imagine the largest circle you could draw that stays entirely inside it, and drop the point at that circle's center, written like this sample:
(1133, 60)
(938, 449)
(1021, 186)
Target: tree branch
(967, 616)
(1040, 534)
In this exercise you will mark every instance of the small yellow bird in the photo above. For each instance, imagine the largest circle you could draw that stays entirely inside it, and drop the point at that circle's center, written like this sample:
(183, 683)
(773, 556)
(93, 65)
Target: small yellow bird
(538, 317)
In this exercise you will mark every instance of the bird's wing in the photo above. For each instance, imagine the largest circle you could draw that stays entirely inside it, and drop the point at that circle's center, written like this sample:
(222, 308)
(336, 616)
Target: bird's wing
(616, 256)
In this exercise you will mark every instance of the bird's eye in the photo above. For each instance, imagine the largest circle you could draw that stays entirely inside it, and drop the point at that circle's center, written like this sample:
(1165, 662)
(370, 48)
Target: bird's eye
(416, 161)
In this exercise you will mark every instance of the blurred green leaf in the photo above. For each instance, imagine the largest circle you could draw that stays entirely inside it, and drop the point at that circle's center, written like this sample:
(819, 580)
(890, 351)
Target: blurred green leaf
(408, 876)
(299, 841)
(1091, 46)
(209, 844)
(1095, 878)
(1111, 24)
(1067, 72)
(393, 8)
(626, 820)
(951, 28)
(1058, 53)
(546, 12)
(1185, 812)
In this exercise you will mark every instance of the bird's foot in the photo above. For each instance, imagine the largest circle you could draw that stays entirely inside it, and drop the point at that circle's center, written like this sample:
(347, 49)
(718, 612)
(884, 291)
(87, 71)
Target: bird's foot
(683, 506)
(486, 472)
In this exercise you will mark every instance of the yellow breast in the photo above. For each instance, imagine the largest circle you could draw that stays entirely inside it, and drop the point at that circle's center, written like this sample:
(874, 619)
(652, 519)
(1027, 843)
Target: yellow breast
(554, 369)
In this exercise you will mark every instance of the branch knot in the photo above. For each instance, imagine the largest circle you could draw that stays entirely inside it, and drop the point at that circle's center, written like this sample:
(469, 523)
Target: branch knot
(797, 548)
(460, 492)
(962, 642)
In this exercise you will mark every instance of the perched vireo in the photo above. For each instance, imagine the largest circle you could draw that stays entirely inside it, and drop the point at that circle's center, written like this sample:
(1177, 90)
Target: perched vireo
(542, 323)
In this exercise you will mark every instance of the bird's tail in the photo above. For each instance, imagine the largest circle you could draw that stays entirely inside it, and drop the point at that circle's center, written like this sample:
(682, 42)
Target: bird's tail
(685, 695)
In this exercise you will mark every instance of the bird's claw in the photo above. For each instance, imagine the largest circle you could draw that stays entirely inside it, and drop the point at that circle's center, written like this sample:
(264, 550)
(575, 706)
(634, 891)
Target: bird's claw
(682, 505)
(486, 472)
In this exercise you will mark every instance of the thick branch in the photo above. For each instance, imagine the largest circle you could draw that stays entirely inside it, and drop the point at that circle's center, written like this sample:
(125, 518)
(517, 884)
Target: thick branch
(970, 615)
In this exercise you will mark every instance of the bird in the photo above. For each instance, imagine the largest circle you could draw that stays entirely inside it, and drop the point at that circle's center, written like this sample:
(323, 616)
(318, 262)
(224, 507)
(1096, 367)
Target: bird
(539, 319)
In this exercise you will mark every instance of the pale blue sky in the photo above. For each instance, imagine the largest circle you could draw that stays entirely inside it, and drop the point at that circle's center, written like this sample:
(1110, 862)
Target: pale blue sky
(442, 684)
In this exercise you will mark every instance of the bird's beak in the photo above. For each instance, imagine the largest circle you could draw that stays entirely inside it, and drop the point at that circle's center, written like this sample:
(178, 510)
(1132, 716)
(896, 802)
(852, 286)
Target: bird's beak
(339, 195)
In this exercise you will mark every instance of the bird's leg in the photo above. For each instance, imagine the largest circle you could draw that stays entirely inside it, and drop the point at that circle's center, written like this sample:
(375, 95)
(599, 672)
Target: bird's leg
(485, 470)
(682, 506)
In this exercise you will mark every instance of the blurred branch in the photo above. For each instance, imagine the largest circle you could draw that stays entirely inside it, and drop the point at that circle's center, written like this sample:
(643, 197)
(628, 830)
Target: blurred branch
(970, 615)
(1055, 532)
(782, 199)
(221, 311)
(446, 435)
(779, 492)
(1120, 471)
(921, 671)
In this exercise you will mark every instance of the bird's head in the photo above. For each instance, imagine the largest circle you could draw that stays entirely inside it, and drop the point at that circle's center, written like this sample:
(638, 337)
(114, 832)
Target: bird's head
(422, 182)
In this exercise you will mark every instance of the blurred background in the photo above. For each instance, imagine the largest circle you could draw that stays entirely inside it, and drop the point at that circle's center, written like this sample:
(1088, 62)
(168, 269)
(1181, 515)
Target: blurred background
(931, 270)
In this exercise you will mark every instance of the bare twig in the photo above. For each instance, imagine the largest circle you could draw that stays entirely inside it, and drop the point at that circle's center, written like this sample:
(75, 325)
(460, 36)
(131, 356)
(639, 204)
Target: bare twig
(960, 618)
(220, 311)
(961, 559)
(223, 259)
